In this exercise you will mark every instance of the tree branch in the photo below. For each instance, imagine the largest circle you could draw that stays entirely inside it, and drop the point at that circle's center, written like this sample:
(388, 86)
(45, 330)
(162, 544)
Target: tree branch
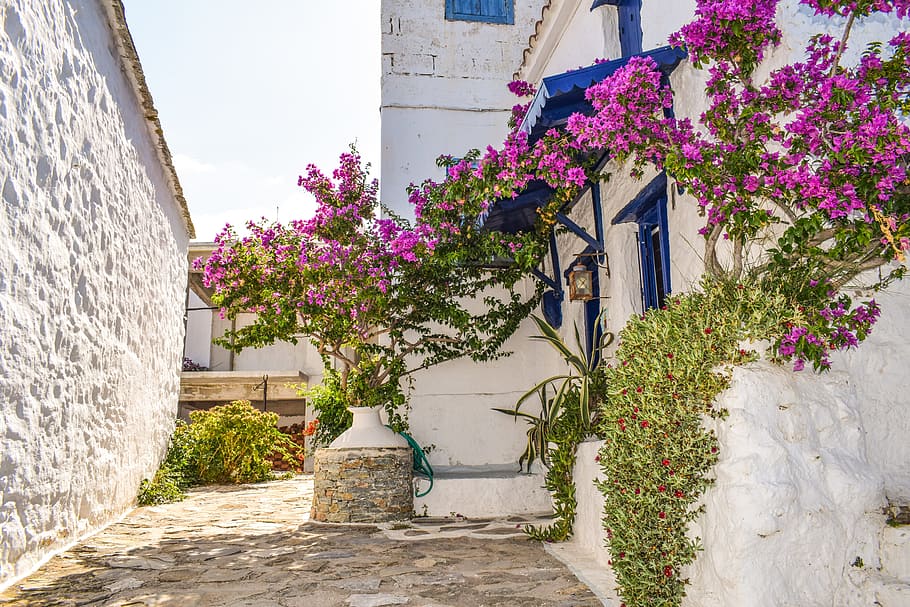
(712, 266)
(843, 43)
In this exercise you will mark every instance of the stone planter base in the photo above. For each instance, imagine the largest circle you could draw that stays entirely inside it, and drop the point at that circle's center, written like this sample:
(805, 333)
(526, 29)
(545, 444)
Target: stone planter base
(363, 485)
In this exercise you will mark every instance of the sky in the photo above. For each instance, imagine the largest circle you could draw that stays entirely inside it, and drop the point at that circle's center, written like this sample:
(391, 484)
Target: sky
(250, 93)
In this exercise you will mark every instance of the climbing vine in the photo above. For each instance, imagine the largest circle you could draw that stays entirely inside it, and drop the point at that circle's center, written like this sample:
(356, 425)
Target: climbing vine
(657, 456)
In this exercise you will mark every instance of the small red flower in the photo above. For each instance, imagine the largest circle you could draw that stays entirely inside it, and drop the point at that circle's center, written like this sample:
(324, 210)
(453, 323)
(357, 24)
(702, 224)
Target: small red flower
(622, 555)
(661, 488)
(708, 331)
(662, 514)
(310, 429)
(670, 376)
(677, 493)
(664, 462)
(670, 355)
(668, 571)
(637, 491)
(624, 391)
(639, 389)
(645, 424)
(713, 449)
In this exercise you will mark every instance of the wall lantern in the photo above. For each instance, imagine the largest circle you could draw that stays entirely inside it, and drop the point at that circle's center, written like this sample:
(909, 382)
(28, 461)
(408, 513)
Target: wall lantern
(581, 283)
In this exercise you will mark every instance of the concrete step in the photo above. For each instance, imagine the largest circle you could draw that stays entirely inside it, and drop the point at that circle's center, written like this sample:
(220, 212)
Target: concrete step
(895, 553)
(482, 491)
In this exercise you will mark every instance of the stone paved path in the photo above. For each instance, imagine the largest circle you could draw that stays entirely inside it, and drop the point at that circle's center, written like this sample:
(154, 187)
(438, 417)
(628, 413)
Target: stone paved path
(253, 546)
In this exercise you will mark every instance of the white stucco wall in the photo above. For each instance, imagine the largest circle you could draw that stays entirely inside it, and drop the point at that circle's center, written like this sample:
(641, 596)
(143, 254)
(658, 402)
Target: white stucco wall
(451, 404)
(92, 282)
(571, 36)
(799, 490)
(659, 19)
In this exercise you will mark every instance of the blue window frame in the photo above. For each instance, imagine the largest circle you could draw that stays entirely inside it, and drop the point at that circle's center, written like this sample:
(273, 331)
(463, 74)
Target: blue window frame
(655, 255)
(488, 11)
(629, 17)
(649, 211)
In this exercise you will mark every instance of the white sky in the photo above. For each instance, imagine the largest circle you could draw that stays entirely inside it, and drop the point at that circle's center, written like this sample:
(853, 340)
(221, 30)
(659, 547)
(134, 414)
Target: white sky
(250, 93)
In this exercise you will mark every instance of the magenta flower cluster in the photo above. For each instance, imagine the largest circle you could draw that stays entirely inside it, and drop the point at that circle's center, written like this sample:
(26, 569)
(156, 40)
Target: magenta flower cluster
(343, 260)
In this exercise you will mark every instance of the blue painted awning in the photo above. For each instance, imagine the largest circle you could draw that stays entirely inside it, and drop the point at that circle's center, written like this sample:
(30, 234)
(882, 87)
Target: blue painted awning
(513, 215)
(562, 95)
(559, 97)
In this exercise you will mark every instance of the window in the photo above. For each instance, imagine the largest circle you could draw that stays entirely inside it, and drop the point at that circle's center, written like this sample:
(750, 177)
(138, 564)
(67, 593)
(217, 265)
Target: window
(489, 11)
(655, 254)
(649, 211)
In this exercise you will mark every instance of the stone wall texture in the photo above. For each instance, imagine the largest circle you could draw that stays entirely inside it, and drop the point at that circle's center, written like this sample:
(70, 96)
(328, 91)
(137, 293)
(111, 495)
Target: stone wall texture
(363, 485)
(92, 281)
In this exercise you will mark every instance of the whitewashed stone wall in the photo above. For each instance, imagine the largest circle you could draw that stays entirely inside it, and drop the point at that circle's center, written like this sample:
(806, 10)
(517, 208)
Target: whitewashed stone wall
(92, 282)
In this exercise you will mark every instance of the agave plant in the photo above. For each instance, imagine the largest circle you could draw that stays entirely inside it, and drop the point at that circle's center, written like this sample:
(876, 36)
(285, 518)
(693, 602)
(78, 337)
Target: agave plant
(575, 388)
(539, 428)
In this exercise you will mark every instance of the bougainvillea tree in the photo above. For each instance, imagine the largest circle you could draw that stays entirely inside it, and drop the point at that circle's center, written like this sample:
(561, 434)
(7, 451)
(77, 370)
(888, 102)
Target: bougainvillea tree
(379, 297)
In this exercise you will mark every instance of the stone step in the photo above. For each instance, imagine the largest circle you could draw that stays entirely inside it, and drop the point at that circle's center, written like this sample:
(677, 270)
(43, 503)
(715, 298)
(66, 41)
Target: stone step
(895, 553)
(890, 592)
(482, 491)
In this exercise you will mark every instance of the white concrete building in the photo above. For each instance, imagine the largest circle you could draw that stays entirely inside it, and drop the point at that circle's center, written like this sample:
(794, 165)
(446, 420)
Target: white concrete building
(444, 77)
(92, 277)
(807, 462)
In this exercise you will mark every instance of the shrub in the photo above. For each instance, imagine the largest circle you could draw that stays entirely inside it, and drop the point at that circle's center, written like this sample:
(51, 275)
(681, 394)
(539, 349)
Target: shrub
(226, 444)
(231, 444)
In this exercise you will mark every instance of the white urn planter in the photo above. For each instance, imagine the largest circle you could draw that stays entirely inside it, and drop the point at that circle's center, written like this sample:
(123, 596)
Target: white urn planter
(365, 475)
(367, 430)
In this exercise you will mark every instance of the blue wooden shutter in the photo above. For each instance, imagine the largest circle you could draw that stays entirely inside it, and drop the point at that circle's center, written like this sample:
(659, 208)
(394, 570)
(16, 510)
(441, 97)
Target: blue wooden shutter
(489, 11)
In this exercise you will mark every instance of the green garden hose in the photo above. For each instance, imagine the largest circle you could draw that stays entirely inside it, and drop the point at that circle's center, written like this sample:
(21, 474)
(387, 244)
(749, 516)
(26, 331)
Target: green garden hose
(421, 464)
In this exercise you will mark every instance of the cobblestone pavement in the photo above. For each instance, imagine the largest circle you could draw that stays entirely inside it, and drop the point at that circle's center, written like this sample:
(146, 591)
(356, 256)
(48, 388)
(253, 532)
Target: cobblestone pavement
(253, 546)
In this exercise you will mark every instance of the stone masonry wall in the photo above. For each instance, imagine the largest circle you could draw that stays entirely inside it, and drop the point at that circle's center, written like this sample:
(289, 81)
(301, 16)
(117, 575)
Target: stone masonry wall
(92, 281)
(363, 485)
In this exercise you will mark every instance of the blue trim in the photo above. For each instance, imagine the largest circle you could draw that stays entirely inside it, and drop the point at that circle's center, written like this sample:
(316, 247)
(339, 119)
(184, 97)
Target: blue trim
(641, 203)
(486, 11)
(630, 34)
(551, 303)
(649, 211)
(519, 214)
(579, 231)
(546, 279)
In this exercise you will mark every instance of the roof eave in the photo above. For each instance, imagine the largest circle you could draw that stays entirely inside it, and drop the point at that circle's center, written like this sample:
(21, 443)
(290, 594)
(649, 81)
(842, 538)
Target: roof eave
(132, 68)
